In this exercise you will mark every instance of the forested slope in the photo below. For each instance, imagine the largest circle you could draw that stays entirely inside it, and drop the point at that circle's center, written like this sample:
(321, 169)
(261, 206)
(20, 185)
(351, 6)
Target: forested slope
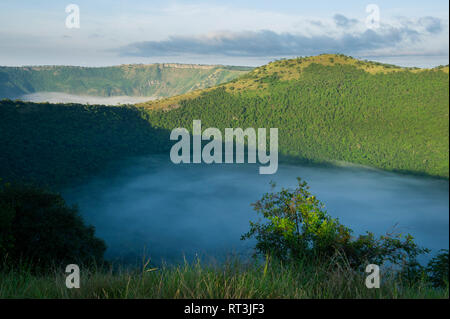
(60, 144)
(329, 108)
(382, 116)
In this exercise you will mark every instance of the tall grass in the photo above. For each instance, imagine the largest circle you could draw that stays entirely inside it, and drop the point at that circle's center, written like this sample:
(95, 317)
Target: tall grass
(232, 279)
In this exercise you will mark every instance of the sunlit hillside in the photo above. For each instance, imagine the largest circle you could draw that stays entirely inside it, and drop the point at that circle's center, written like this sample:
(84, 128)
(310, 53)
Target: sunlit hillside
(331, 108)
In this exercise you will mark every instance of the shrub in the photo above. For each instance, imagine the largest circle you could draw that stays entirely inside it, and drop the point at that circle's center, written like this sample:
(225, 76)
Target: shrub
(37, 227)
(295, 225)
(438, 269)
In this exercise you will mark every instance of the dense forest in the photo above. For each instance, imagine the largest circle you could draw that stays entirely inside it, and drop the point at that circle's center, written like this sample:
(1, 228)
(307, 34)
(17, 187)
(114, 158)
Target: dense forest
(159, 80)
(55, 145)
(394, 119)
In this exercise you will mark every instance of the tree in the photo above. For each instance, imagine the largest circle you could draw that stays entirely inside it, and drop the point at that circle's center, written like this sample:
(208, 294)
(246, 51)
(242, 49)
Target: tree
(39, 228)
(295, 225)
(438, 269)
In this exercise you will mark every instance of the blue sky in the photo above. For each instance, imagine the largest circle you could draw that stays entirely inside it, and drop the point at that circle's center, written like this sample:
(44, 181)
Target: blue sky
(219, 32)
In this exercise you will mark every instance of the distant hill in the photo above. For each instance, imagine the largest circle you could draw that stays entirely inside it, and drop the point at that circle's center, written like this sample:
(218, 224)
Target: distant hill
(160, 80)
(331, 108)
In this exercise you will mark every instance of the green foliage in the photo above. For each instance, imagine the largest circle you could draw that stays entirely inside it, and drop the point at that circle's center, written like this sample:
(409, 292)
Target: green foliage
(6, 224)
(295, 226)
(438, 269)
(396, 121)
(56, 145)
(37, 227)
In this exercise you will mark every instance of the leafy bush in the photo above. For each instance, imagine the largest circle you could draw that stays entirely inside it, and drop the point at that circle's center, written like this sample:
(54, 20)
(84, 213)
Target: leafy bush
(438, 269)
(296, 225)
(37, 227)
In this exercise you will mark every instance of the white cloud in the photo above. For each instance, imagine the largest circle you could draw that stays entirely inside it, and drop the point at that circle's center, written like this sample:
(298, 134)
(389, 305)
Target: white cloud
(421, 36)
(208, 33)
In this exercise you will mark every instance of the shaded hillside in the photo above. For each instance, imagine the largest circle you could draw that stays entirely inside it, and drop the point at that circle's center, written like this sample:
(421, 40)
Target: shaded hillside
(59, 144)
(331, 108)
(160, 80)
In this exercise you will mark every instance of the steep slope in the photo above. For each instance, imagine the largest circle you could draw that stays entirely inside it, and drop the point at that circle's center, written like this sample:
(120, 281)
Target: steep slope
(160, 80)
(60, 144)
(331, 108)
(393, 118)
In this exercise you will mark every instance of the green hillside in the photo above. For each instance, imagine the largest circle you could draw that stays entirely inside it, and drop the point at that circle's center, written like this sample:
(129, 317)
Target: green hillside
(331, 108)
(327, 108)
(160, 80)
(60, 144)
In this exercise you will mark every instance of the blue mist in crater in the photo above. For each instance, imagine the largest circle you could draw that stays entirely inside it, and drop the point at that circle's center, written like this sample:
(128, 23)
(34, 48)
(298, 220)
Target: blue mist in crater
(169, 212)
